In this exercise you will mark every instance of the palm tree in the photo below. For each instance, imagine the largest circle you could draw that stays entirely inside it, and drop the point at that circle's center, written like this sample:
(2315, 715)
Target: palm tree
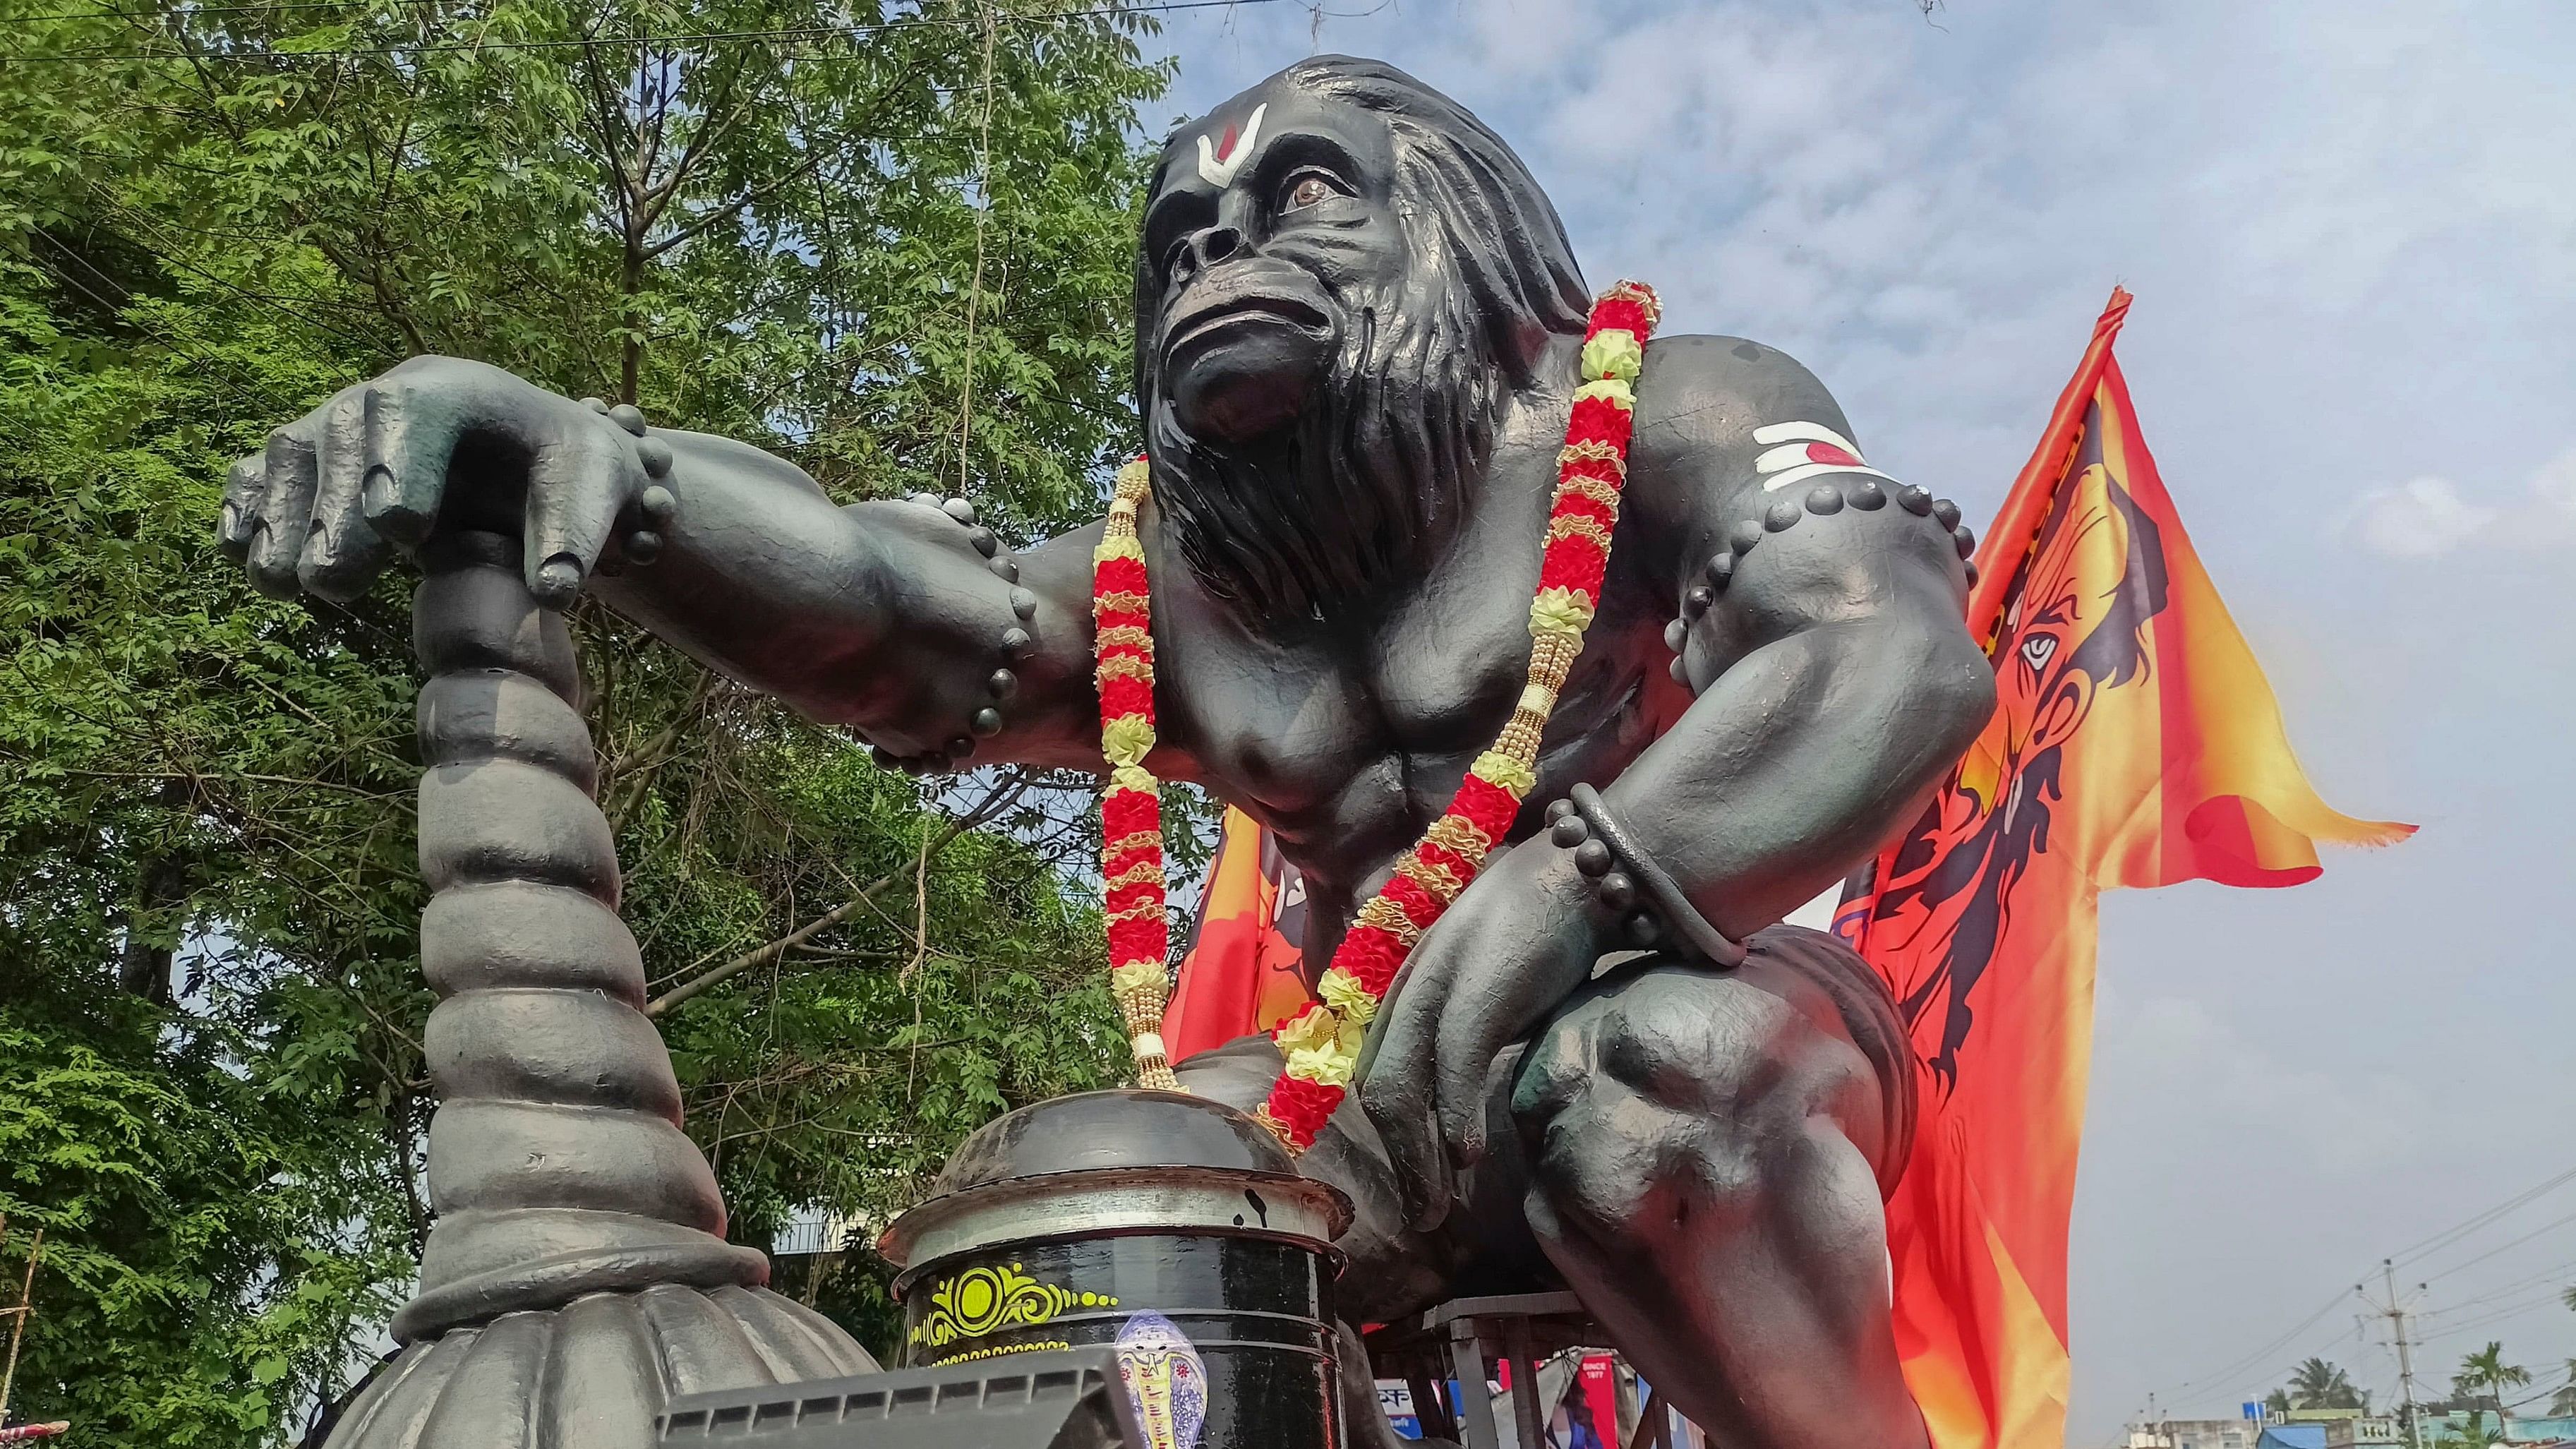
(2478, 1435)
(2487, 1366)
(2563, 1403)
(2317, 1384)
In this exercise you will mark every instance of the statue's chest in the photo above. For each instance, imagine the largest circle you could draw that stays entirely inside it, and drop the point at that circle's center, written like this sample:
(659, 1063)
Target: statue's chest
(1341, 741)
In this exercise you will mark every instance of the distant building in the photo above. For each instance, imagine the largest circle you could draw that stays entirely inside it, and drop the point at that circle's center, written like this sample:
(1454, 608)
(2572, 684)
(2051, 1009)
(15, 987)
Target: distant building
(2453, 1426)
(2292, 1434)
(2196, 1434)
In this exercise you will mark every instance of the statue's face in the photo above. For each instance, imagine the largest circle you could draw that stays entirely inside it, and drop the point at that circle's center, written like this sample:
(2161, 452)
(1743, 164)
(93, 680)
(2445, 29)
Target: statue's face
(1269, 220)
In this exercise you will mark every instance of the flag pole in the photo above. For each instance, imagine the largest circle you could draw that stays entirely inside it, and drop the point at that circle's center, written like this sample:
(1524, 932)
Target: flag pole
(2025, 508)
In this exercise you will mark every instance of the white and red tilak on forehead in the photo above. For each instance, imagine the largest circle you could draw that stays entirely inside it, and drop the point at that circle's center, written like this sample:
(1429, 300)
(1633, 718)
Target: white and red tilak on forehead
(1220, 159)
(1796, 452)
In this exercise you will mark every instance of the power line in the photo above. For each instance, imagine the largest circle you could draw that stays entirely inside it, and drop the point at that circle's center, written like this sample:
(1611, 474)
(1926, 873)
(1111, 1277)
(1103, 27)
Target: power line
(2454, 1233)
(2259, 1355)
(2515, 1243)
(2411, 1253)
(705, 37)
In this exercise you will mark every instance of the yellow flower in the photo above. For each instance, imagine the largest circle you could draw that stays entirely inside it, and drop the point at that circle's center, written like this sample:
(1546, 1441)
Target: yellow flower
(1127, 739)
(1560, 611)
(1330, 1065)
(1314, 1027)
(1343, 993)
(1136, 976)
(1611, 390)
(1612, 352)
(1132, 777)
(1496, 768)
(1109, 548)
(1322, 1047)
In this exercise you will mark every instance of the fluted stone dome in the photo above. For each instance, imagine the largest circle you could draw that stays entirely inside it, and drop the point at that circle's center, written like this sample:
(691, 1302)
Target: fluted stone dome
(1124, 1160)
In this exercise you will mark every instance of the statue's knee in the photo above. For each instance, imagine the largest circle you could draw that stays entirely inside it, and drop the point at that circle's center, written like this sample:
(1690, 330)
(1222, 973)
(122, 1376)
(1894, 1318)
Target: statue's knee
(1652, 1100)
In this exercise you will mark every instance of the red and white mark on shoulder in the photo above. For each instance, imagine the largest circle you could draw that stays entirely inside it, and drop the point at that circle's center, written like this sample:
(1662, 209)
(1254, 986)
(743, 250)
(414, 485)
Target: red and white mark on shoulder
(1795, 452)
(1219, 161)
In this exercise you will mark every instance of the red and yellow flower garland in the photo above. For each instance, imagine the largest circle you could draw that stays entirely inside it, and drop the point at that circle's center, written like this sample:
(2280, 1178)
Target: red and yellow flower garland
(1322, 1044)
(1131, 813)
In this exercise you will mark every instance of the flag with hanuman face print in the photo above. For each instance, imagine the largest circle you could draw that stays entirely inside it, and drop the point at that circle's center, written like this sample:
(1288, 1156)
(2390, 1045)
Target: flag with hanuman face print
(2134, 743)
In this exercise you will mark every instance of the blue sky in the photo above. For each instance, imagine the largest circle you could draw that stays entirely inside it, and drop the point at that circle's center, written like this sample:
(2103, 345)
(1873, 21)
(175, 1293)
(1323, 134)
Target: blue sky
(2352, 234)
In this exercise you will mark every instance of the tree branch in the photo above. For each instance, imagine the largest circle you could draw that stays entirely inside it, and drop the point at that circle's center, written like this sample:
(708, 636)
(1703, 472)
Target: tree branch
(992, 804)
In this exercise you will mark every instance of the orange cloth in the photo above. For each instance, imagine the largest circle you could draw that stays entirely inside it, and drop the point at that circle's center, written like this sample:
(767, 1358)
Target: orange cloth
(1244, 971)
(2135, 743)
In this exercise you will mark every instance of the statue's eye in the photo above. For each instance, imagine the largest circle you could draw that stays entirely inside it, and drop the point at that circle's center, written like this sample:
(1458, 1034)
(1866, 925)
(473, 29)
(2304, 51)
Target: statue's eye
(1306, 191)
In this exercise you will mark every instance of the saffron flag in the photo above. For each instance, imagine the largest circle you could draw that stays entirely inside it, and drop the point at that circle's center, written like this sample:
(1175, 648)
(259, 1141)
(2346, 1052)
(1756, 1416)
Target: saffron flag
(2134, 743)
(1244, 969)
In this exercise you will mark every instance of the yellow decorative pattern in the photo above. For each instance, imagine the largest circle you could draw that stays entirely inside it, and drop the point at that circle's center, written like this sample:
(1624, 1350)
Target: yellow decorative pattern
(977, 1301)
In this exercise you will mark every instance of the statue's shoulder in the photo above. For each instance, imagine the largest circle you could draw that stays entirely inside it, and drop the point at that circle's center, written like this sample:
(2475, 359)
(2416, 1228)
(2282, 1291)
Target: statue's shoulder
(1700, 400)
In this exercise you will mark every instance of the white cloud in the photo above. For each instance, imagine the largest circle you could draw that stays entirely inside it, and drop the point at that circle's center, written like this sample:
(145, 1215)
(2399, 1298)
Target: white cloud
(2429, 516)
(2419, 519)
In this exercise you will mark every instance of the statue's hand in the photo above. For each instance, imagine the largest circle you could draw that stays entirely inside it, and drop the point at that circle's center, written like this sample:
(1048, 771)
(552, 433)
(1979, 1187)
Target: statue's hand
(437, 439)
(1513, 946)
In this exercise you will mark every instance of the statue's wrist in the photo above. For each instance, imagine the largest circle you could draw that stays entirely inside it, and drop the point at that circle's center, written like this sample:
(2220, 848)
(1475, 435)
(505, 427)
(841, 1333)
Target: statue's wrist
(1641, 903)
(1013, 643)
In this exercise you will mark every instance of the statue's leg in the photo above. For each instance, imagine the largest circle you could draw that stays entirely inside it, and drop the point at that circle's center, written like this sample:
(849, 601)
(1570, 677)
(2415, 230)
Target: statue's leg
(1708, 1152)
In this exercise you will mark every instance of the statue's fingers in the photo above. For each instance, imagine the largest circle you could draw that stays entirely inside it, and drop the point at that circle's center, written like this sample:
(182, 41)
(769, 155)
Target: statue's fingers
(577, 485)
(285, 513)
(342, 550)
(1472, 1032)
(244, 485)
(1395, 1090)
(409, 438)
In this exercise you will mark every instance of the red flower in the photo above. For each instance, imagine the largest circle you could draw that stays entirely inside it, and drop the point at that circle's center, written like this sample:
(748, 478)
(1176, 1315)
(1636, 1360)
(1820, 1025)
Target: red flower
(1487, 806)
(1447, 859)
(1118, 576)
(1576, 505)
(1618, 314)
(1127, 860)
(1372, 956)
(1303, 1107)
(1598, 420)
(1124, 812)
(1417, 904)
(1573, 563)
(1126, 696)
(1142, 939)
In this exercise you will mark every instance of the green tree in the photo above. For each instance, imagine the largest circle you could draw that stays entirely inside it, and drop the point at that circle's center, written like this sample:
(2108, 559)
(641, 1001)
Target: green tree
(897, 252)
(2317, 1384)
(2487, 1369)
(2562, 1404)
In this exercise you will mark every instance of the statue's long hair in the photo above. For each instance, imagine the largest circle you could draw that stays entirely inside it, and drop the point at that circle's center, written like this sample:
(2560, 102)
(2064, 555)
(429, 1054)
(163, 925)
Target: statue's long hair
(1367, 486)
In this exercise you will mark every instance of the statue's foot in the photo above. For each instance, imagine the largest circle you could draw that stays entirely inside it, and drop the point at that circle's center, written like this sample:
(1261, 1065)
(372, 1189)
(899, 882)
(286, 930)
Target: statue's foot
(591, 1374)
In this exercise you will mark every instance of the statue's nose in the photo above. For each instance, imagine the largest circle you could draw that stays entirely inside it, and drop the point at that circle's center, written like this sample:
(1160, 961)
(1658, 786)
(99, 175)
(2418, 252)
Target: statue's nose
(1211, 245)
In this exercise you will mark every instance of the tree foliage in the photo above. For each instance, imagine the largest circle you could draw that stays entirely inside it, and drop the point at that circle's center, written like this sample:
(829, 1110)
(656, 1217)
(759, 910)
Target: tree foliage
(781, 221)
(2317, 1384)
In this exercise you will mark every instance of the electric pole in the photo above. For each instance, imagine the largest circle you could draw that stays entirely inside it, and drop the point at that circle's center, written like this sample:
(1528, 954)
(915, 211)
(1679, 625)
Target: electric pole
(2395, 1313)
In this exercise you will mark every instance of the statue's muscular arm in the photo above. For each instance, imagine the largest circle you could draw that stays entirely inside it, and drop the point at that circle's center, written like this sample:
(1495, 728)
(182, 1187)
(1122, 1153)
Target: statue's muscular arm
(1835, 678)
(1835, 683)
(917, 627)
(886, 616)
